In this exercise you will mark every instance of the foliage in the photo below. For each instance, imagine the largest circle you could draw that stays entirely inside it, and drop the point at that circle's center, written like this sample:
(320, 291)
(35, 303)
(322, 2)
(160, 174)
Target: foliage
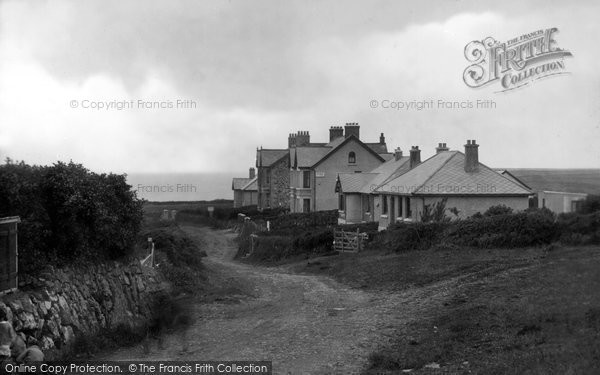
(435, 212)
(591, 204)
(410, 236)
(578, 229)
(178, 256)
(500, 209)
(68, 213)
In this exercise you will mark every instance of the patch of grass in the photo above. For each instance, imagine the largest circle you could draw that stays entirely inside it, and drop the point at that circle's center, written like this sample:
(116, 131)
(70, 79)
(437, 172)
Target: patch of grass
(88, 346)
(536, 315)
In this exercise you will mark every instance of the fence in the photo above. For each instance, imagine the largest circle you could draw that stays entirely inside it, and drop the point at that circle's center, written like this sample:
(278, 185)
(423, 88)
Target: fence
(149, 260)
(348, 241)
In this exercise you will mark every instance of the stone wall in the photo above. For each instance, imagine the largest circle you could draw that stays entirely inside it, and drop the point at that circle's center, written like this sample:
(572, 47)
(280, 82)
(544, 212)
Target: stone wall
(61, 304)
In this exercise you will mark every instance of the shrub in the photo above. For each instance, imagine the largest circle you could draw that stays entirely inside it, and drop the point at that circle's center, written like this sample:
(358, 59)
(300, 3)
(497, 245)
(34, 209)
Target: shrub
(411, 236)
(507, 230)
(435, 212)
(69, 213)
(577, 229)
(498, 210)
(591, 204)
(178, 256)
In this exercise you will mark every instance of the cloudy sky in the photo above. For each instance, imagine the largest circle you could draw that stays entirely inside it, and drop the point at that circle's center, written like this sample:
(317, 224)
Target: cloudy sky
(258, 70)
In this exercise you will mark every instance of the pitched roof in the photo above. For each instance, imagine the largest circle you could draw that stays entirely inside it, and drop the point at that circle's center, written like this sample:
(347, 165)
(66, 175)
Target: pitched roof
(354, 182)
(239, 183)
(379, 148)
(387, 171)
(268, 157)
(252, 185)
(306, 157)
(444, 174)
(562, 180)
(343, 142)
(513, 178)
(368, 182)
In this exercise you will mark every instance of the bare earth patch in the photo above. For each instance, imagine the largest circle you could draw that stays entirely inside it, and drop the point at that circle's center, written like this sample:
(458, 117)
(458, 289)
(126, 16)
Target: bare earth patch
(303, 323)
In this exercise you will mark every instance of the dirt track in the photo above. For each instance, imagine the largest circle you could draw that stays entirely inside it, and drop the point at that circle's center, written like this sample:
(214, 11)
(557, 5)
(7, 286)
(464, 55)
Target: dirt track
(304, 324)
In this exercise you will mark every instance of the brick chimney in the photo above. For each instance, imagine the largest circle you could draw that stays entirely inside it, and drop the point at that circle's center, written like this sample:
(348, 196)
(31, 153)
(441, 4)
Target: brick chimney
(471, 156)
(352, 128)
(397, 153)
(292, 140)
(335, 132)
(302, 138)
(415, 156)
(252, 173)
(381, 139)
(441, 147)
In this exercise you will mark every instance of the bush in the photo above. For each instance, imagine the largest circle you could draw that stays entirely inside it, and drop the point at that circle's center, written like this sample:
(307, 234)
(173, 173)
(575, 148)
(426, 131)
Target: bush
(590, 205)
(504, 230)
(178, 257)
(531, 228)
(69, 213)
(498, 210)
(577, 229)
(411, 236)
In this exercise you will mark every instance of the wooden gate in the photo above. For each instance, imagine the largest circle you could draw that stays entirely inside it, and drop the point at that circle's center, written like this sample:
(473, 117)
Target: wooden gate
(348, 241)
(8, 254)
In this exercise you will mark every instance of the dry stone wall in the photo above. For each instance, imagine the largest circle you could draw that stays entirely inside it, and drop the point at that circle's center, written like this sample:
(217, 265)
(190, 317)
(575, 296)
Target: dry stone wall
(61, 304)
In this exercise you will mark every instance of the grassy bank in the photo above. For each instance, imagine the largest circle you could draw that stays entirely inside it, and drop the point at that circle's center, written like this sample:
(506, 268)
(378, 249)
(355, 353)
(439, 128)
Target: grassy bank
(509, 311)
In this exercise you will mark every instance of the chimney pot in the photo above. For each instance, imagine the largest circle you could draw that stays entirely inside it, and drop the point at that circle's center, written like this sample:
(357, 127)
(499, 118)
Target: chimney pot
(415, 156)
(441, 147)
(352, 128)
(252, 173)
(397, 153)
(335, 132)
(471, 156)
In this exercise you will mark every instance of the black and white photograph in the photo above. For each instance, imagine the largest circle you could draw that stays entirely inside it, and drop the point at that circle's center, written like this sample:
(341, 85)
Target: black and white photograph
(299, 187)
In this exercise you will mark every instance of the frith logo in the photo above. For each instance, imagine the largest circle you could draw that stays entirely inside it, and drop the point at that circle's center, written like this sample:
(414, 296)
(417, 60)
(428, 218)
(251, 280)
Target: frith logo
(515, 63)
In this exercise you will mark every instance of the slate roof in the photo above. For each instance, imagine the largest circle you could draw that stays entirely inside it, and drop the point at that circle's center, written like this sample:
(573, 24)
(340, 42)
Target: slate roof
(252, 185)
(378, 147)
(350, 183)
(443, 174)
(343, 142)
(307, 156)
(387, 171)
(239, 183)
(268, 157)
(354, 182)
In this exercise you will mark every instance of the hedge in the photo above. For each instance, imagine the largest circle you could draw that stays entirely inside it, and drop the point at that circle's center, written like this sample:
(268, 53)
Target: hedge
(68, 213)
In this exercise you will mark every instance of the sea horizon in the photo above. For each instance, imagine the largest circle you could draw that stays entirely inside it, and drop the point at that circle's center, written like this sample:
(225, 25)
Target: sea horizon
(190, 186)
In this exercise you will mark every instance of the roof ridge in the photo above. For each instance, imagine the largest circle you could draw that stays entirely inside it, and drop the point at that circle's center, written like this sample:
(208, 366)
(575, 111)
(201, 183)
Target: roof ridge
(385, 181)
(503, 176)
(347, 139)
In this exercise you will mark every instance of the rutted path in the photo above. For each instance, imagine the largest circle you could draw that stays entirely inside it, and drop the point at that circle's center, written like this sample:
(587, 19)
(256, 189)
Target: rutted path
(303, 323)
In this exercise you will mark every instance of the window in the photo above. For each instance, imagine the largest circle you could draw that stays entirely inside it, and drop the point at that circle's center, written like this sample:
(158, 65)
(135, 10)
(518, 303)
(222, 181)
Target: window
(367, 200)
(306, 205)
(306, 179)
(408, 212)
(400, 199)
(385, 208)
(268, 177)
(342, 202)
(268, 198)
(351, 157)
(392, 209)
